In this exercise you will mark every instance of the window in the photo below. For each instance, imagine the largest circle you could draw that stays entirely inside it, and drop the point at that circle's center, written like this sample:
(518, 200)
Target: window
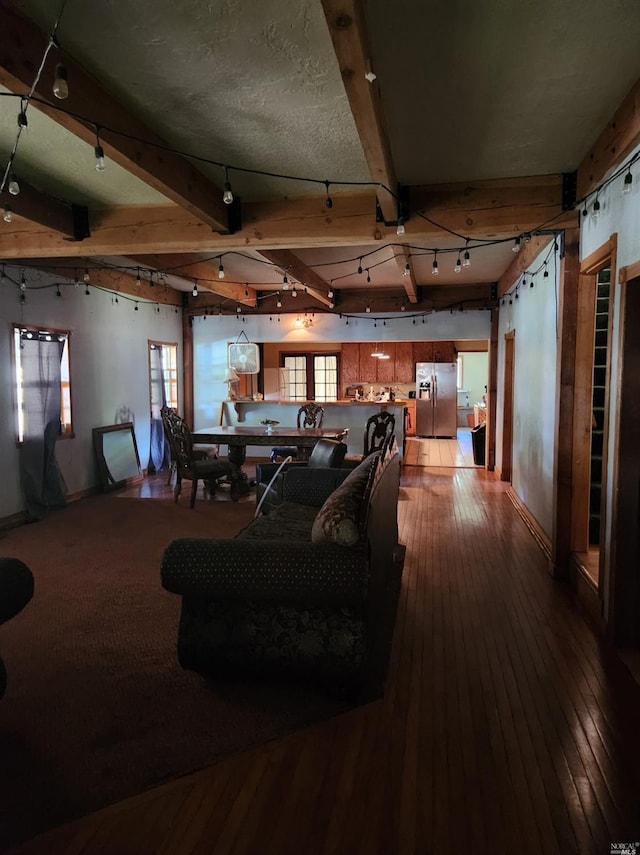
(312, 376)
(163, 376)
(42, 380)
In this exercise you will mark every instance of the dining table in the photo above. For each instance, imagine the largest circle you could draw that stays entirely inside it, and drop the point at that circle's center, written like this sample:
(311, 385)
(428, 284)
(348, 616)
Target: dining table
(238, 437)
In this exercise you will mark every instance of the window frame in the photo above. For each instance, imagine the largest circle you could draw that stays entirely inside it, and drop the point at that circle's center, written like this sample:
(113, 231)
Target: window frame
(152, 343)
(66, 425)
(310, 355)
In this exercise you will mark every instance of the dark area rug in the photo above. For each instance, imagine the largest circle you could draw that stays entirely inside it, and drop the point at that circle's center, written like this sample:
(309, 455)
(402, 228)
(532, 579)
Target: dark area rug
(97, 708)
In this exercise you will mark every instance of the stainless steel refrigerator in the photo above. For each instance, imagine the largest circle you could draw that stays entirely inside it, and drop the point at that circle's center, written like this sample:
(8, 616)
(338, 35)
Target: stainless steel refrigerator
(436, 399)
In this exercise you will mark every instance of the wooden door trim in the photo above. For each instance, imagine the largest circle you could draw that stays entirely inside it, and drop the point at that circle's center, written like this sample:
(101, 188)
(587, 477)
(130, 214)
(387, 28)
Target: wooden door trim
(506, 466)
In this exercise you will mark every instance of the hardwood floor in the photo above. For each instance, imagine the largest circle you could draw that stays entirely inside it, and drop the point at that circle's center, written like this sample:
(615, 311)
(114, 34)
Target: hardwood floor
(506, 725)
(440, 452)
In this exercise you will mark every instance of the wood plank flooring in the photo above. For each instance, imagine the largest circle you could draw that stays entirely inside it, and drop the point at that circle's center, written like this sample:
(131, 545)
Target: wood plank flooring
(458, 452)
(506, 725)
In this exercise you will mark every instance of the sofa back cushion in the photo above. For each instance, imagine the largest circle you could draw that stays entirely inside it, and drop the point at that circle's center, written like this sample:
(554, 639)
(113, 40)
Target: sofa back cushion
(342, 517)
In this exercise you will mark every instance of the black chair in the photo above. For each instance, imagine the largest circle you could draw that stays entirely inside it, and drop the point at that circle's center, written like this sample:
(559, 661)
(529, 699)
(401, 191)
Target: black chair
(309, 416)
(326, 454)
(378, 435)
(210, 470)
(169, 418)
(16, 590)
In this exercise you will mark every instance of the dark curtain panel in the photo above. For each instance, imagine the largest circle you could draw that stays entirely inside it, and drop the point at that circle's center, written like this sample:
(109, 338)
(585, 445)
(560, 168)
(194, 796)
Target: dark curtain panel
(159, 452)
(42, 481)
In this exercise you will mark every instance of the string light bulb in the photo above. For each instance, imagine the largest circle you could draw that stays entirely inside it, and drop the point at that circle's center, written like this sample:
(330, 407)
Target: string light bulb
(628, 181)
(86, 276)
(407, 269)
(435, 270)
(458, 265)
(368, 275)
(22, 119)
(294, 293)
(368, 308)
(227, 195)
(595, 212)
(330, 293)
(194, 293)
(14, 187)
(99, 153)
(516, 245)
(60, 85)
(278, 302)
(466, 259)
(8, 216)
(220, 270)
(328, 201)
(360, 266)
(138, 279)
(400, 226)
(58, 292)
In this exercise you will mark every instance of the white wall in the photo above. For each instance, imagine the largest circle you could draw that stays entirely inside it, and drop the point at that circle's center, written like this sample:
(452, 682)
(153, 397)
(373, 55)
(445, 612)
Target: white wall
(533, 319)
(212, 334)
(109, 370)
(475, 374)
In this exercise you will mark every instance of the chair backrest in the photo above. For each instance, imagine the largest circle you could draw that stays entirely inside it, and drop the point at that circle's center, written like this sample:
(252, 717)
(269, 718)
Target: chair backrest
(181, 442)
(327, 453)
(310, 416)
(379, 432)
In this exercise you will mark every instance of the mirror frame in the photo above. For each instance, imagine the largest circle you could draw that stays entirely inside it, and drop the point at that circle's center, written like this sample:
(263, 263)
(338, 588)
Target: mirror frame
(106, 478)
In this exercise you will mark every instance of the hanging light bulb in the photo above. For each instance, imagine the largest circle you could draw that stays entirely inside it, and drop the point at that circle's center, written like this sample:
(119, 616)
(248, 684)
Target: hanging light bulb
(23, 284)
(220, 269)
(545, 275)
(407, 269)
(466, 259)
(285, 282)
(60, 85)
(403, 307)
(227, 196)
(8, 216)
(595, 212)
(400, 227)
(368, 275)
(458, 266)
(516, 245)
(138, 279)
(360, 266)
(628, 181)
(22, 119)
(58, 292)
(14, 187)
(328, 201)
(278, 302)
(86, 291)
(86, 276)
(330, 293)
(294, 293)
(367, 308)
(194, 293)
(435, 270)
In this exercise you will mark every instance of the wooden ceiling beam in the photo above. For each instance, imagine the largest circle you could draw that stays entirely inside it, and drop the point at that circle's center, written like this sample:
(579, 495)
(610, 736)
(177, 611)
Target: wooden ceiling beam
(489, 209)
(408, 279)
(314, 284)
(617, 140)
(522, 261)
(41, 209)
(493, 207)
(21, 49)
(347, 26)
(189, 269)
(110, 279)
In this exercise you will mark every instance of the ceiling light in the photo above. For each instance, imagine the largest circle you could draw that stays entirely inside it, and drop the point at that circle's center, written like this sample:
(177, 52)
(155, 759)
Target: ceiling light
(60, 85)
(14, 187)
(227, 196)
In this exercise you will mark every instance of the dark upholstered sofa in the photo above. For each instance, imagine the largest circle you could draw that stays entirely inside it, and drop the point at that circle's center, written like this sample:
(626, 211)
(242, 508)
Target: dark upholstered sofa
(306, 592)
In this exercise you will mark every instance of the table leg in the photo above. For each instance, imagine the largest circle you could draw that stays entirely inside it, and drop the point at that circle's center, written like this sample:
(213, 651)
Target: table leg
(240, 482)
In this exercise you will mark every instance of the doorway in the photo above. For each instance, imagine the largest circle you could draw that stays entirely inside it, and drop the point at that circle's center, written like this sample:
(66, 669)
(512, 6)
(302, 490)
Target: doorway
(507, 409)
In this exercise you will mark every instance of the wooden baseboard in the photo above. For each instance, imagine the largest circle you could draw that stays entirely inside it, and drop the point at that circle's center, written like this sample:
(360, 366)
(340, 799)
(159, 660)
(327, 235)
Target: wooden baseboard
(531, 523)
(586, 592)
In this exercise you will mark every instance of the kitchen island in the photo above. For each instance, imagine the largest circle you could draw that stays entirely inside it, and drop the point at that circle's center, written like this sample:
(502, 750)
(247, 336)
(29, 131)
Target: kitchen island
(343, 414)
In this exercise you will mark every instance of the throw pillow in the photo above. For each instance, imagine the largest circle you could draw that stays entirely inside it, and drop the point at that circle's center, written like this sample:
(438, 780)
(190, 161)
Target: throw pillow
(338, 520)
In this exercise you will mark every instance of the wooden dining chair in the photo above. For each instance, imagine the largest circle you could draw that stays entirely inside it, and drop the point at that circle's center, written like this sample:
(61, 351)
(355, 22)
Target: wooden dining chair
(190, 466)
(310, 415)
(170, 418)
(379, 432)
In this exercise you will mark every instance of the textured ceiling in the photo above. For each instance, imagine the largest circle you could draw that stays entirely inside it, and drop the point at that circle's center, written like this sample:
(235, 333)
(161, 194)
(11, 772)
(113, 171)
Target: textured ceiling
(469, 91)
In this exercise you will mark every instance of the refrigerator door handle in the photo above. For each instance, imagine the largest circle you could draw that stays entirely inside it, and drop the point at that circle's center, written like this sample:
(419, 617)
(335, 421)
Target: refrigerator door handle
(434, 384)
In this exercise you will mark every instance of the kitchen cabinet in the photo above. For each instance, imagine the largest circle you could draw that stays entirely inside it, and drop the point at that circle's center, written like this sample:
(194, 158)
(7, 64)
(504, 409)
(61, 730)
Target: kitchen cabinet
(404, 363)
(357, 366)
(350, 364)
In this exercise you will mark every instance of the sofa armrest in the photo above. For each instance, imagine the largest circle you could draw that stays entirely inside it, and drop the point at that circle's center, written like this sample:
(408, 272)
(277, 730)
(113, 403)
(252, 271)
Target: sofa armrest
(269, 571)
